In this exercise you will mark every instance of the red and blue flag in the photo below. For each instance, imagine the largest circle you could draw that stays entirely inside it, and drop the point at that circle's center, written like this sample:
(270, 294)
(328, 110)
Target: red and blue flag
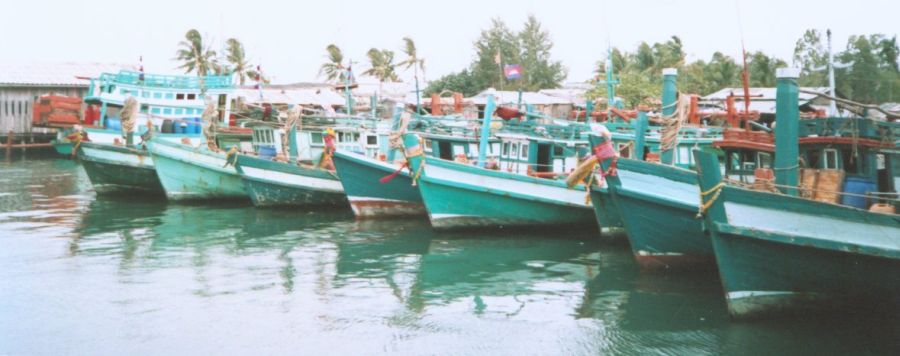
(512, 71)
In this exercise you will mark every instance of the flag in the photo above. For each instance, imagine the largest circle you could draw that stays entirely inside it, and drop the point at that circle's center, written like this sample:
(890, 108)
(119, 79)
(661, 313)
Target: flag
(512, 71)
(497, 58)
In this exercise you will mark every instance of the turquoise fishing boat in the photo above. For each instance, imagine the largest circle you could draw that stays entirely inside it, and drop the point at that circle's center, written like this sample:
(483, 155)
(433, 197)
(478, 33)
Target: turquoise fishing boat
(119, 168)
(189, 173)
(381, 188)
(170, 104)
(111, 157)
(459, 195)
(779, 252)
(657, 202)
(306, 177)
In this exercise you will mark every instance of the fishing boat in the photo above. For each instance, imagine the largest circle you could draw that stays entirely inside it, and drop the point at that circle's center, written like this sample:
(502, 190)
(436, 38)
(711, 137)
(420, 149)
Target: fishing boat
(114, 168)
(306, 177)
(112, 158)
(461, 195)
(170, 105)
(782, 251)
(380, 188)
(188, 172)
(655, 202)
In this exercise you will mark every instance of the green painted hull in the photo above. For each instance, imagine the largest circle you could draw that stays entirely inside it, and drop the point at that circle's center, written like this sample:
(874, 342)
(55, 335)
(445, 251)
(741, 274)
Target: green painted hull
(605, 210)
(282, 184)
(658, 205)
(459, 196)
(119, 169)
(187, 173)
(371, 198)
(763, 278)
(63, 148)
(780, 254)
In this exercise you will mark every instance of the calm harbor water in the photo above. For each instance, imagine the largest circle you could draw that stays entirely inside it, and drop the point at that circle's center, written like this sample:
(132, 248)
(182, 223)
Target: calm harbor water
(82, 274)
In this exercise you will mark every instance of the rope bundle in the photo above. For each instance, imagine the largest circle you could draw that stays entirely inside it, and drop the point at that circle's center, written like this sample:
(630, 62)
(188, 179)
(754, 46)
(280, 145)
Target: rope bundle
(129, 114)
(672, 123)
(210, 124)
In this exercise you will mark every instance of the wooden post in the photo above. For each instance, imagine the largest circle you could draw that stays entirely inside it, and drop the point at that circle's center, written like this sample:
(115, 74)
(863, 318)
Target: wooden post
(640, 130)
(787, 125)
(486, 130)
(669, 92)
(9, 142)
(709, 177)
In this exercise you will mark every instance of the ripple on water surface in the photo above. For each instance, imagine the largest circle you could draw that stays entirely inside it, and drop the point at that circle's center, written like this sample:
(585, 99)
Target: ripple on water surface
(135, 275)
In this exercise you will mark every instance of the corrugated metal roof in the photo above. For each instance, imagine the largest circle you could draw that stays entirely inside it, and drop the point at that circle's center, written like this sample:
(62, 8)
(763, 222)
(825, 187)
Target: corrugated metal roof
(507, 97)
(761, 99)
(322, 96)
(55, 74)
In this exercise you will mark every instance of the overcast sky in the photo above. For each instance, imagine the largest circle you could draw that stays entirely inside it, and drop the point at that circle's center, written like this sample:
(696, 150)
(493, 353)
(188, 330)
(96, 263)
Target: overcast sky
(289, 38)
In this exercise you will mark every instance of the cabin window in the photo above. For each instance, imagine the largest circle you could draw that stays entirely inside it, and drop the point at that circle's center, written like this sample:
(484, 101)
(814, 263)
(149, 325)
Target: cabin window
(524, 151)
(191, 96)
(850, 163)
(179, 96)
(170, 95)
(558, 150)
(427, 145)
(831, 158)
(371, 140)
(514, 150)
(495, 148)
(459, 149)
(506, 149)
(763, 160)
(145, 94)
(123, 91)
(155, 111)
(684, 155)
(167, 111)
(157, 95)
(813, 158)
(734, 161)
(623, 150)
(315, 138)
(144, 109)
(179, 111)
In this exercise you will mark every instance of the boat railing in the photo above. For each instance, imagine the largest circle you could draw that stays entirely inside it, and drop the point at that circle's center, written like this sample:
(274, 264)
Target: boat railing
(168, 81)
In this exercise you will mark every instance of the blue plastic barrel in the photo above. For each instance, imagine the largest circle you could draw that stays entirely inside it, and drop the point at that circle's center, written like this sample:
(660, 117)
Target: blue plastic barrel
(860, 186)
(114, 123)
(266, 151)
(195, 125)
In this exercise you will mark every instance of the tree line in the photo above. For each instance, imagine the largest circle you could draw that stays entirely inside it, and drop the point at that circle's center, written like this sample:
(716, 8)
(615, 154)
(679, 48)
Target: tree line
(871, 73)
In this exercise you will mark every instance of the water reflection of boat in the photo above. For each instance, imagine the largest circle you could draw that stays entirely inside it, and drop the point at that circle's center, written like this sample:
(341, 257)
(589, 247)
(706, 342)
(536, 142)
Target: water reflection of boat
(505, 270)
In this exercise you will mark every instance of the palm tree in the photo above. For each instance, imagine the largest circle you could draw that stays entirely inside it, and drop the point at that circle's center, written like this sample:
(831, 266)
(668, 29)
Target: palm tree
(413, 60)
(383, 66)
(195, 56)
(333, 69)
(237, 58)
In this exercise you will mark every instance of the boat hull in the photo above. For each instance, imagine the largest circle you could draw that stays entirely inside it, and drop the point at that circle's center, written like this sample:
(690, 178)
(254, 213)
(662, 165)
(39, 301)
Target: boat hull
(763, 278)
(188, 173)
(119, 169)
(458, 196)
(282, 184)
(369, 197)
(658, 205)
(64, 148)
(607, 213)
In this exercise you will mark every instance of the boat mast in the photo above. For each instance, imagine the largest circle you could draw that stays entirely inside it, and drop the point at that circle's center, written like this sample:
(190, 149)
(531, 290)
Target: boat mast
(832, 106)
(486, 129)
